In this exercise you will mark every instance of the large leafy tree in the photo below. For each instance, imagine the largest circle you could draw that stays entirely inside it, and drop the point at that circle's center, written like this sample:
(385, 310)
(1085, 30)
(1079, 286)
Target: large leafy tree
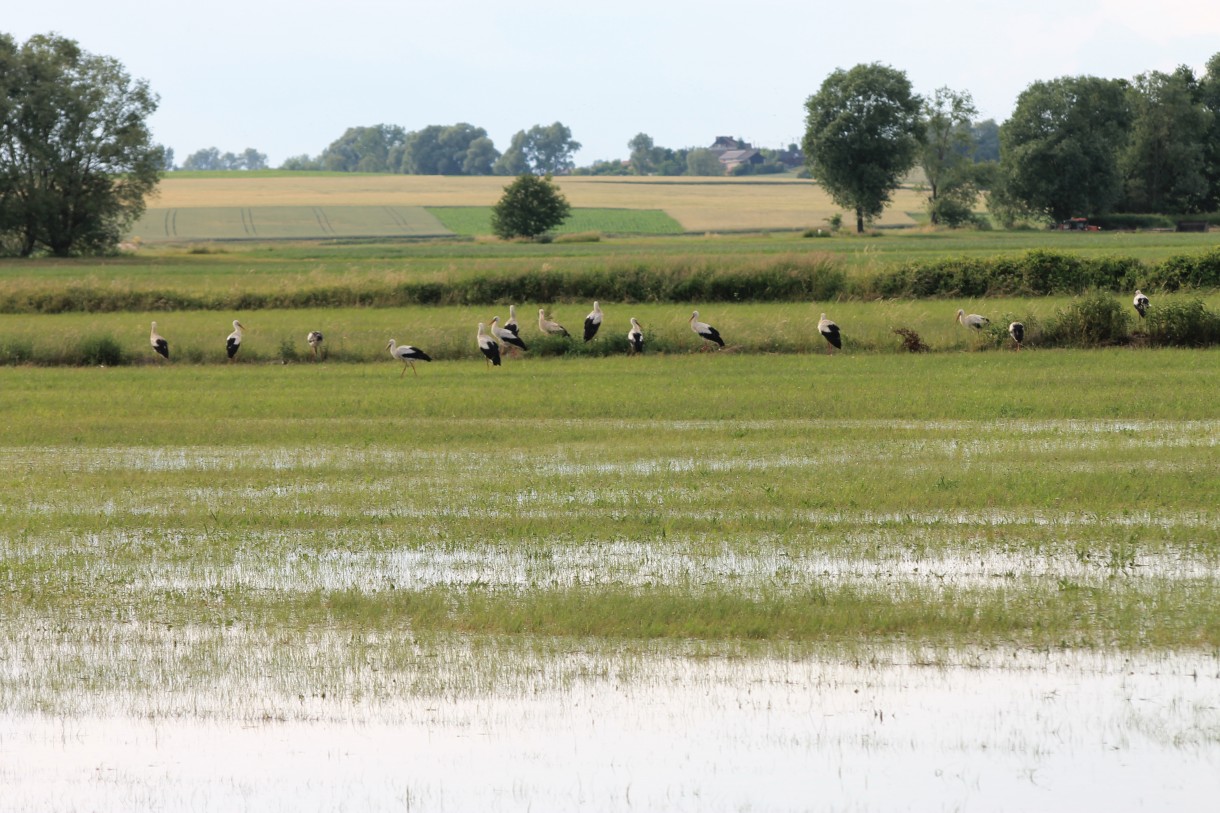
(1059, 152)
(76, 155)
(540, 150)
(459, 149)
(945, 156)
(1164, 163)
(862, 135)
(1209, 95)
(530, 206)
(365, 149)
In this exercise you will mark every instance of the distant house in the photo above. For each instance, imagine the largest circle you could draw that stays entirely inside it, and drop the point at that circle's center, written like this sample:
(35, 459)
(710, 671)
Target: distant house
(735, 158)
(724, 144)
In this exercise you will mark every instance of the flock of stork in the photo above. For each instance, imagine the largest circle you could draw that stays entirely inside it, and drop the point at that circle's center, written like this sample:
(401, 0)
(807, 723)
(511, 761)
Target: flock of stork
(490, 343)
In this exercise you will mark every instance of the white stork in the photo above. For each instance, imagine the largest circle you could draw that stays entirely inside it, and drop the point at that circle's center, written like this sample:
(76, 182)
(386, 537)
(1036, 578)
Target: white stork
(1141, 303)
(233, 342)
(1017, 331)
(488, 346)
(972, 320)
(593, 321)
(635, 337)
(549, 327)
(315, 341)
(407, 355)
(158, 343)
(511, 324)
(705, 331)
(830, 332)
(504, 335)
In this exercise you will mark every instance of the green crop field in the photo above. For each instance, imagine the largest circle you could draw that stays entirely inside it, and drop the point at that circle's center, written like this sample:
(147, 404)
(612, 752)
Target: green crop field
(475, 221)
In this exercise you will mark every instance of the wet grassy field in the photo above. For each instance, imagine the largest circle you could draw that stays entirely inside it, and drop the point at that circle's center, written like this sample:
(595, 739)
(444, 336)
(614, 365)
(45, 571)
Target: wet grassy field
(991, 577)
(1029, 498)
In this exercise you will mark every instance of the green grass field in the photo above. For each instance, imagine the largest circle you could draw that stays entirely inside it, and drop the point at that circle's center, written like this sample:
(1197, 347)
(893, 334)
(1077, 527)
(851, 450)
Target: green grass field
(959, 499)
(475, 221)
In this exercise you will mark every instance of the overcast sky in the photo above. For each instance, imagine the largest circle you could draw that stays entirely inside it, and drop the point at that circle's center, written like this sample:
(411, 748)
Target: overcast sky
(287, 78)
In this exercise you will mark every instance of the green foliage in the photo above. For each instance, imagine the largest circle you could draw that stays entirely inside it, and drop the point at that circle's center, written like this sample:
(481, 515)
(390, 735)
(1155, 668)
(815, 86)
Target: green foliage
(703, 161)
(16, 351)
(540, 150)
(530, 206)
(211, 159)
(862, 134)
(459, 149)
(1163, 163)
(1060, 149)
(101, 350)
(365, 149)
(945, 157)
(1183, 323)
(1038, 272)
(1095, 320)
(1187, 271)
(78, 159)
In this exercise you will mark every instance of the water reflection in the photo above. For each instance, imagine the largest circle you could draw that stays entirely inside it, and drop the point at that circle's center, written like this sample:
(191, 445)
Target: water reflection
(533, 726)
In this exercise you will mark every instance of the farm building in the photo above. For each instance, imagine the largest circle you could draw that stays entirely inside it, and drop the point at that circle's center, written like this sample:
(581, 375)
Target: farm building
(735, 158)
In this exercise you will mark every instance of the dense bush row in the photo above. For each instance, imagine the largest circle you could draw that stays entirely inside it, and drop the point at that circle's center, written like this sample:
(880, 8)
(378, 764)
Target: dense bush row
(1099, 319)
(782, 278)
(1042, 273)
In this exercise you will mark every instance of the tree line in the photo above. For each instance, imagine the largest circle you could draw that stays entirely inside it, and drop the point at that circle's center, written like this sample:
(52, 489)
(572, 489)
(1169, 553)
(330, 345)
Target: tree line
(1075, 146)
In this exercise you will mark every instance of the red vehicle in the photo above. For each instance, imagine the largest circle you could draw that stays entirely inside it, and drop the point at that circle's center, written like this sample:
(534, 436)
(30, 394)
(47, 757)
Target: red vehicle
(1077, 224)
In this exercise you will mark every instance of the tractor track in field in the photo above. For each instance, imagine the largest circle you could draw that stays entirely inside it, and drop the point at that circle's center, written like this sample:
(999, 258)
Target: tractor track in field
(323, 221)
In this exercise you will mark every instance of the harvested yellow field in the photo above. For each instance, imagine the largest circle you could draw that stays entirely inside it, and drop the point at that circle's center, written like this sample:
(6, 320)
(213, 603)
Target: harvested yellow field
(699, 204)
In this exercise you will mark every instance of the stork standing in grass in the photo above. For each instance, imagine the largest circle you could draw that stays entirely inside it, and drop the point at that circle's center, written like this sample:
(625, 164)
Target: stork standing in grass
(158, 343)
(233, 342)
(593, 321)
(830, 332)
(511, 324)
(1141, 303)
(488, 346)
(315, 341)
(549, 327)
(635, 337)
(973, 320)
(408, 355)
(705, 331)
(1017, 331)
(504, 335)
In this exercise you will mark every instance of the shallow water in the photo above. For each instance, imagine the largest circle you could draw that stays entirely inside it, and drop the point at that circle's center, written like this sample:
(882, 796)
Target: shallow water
(650, 730)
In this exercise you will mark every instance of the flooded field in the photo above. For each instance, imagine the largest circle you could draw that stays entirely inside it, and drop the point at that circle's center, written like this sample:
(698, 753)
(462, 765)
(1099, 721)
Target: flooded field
(273, 723)
(410, 604)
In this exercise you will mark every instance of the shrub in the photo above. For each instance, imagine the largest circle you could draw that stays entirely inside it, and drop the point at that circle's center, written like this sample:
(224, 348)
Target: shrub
(100, 350)
(1187, 270)
(1183, 324)
(16, 351)
(1094, 320)
(288, 351)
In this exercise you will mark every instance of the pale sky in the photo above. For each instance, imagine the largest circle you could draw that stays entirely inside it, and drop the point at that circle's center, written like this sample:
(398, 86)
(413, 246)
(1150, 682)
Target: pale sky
(289, 78)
